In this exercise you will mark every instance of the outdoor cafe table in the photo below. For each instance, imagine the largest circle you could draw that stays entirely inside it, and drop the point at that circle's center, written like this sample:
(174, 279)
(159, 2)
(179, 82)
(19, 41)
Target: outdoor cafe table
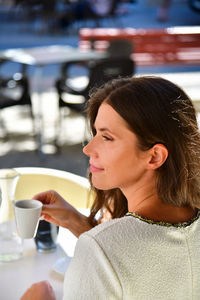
(42, 56)
(17, 276)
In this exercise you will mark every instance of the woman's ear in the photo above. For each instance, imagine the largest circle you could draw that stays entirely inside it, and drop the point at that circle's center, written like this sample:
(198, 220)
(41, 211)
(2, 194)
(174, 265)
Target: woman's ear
(158, 155)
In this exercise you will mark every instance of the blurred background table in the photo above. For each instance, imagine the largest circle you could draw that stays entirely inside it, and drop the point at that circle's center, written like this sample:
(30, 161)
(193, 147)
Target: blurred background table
(39, 57)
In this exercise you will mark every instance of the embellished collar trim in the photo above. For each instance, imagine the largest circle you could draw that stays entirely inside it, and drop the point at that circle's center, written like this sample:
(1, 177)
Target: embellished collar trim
(161, 223)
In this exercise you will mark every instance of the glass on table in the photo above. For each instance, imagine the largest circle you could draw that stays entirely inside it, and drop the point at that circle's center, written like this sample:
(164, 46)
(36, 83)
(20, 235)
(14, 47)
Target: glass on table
(11, 246)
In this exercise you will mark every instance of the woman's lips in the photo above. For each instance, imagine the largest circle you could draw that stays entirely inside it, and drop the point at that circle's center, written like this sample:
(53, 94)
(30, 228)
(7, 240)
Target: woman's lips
(95, 169)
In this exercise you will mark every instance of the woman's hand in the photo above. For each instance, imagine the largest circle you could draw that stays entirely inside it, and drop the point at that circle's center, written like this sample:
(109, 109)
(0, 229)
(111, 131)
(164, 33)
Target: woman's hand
(59, 212)
(55, 209)
(40, 291)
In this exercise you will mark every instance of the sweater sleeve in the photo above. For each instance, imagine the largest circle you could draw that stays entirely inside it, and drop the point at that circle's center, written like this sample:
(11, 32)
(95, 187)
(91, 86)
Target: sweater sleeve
(90, 274)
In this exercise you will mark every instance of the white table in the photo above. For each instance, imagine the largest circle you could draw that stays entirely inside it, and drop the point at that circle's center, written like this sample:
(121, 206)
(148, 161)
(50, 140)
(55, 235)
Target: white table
(46, 55)
(17, 276)
(40, 56)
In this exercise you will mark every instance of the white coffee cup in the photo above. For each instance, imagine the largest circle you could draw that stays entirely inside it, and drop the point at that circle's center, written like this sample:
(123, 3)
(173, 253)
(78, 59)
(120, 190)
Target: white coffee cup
(27, 215)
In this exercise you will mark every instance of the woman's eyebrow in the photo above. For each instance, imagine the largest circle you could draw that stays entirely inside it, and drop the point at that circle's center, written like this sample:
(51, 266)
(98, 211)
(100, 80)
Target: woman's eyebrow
(102, 129)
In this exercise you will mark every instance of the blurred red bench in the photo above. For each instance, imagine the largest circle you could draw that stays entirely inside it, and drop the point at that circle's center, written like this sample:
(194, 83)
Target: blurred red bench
(174, 45)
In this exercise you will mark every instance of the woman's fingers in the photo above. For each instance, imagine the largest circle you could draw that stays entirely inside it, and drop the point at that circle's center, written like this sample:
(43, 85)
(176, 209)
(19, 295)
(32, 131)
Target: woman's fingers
(55, 214)
(43, 197)
(48, 208)
(49, 219)
(53, 210)
(46, 197)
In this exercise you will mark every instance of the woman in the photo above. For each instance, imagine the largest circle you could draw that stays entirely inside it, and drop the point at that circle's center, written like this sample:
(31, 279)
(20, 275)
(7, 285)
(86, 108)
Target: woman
(144, 168)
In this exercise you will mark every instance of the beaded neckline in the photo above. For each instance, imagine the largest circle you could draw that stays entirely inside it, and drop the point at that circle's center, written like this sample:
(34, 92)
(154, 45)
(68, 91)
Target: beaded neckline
(161, 223)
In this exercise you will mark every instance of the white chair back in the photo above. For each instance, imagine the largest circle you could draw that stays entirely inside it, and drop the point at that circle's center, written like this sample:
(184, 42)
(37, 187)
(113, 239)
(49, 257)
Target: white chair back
(73, 188)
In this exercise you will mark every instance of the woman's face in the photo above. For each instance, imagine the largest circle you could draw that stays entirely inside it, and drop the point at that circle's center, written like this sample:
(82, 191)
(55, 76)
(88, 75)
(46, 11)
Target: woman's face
(115, 159)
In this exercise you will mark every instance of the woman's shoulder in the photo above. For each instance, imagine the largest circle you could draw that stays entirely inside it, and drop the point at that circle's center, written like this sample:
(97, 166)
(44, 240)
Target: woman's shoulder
(105, 229)
(108, 226)
(112, 229)
(105, 235)
(134, 226)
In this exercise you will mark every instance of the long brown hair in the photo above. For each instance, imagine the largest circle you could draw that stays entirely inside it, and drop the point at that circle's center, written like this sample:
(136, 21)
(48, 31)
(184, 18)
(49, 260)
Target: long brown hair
(157, 111)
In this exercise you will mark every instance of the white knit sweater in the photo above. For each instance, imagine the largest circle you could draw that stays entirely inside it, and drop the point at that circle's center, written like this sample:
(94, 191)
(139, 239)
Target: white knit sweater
(135, 258)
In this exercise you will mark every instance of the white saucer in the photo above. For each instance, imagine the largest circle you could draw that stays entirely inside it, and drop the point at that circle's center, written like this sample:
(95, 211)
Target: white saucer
(61, 265)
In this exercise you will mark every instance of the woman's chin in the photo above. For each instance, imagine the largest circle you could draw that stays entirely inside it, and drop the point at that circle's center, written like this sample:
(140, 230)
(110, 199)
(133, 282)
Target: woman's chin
(100, 185)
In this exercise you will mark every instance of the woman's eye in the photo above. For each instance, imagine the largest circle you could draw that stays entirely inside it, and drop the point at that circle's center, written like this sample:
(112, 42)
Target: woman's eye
(106, 138)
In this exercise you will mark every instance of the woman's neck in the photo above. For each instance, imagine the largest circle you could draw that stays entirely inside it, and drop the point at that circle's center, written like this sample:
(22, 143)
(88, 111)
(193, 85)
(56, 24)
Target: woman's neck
(154, 209)
(145, 201)
(141, 194)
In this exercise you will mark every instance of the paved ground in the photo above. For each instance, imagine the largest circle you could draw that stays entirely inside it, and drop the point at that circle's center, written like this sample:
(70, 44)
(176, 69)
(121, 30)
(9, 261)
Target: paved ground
(20, 146)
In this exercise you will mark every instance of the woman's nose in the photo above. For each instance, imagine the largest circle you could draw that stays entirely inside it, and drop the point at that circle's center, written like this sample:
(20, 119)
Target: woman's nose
(85, 149)
(88, 149)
